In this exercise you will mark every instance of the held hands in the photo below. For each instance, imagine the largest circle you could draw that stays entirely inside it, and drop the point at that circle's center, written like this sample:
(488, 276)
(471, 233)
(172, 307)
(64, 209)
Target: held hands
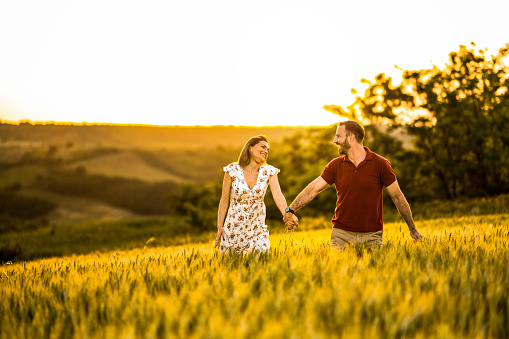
(290, 220)
(220, 234)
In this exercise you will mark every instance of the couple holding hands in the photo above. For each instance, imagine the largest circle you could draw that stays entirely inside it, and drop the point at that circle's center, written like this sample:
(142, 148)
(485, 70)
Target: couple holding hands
(359, 176)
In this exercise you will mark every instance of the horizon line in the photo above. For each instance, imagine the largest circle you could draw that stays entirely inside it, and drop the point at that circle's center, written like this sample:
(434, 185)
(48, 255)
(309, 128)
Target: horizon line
(112, 124)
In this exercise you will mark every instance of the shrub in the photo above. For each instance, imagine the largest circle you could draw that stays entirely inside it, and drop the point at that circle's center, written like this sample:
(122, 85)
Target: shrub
(22, 206)
(11, 253)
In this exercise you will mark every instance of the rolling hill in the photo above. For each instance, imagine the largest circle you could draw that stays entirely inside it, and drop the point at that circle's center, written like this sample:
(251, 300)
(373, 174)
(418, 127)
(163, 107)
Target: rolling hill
(127, 164)
(34, 158)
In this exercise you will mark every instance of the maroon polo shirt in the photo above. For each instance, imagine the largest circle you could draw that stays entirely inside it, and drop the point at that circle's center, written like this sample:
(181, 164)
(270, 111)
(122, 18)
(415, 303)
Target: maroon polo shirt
(359, 191)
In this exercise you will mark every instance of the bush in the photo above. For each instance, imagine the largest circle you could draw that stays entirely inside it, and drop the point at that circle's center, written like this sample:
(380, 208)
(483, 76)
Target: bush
(11, 253)
(22, 206)
(197, 204)
(8, 223)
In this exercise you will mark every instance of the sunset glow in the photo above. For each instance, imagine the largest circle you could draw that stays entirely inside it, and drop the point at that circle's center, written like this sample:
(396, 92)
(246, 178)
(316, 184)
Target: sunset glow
(219, 63)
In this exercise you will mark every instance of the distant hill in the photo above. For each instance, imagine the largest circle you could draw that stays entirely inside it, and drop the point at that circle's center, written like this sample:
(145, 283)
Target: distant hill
(151, 137)
(113, 172)
(75, 209)
(127, 164)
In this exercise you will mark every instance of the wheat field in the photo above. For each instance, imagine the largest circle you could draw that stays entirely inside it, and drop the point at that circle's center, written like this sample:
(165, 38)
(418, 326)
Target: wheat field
(453, 284)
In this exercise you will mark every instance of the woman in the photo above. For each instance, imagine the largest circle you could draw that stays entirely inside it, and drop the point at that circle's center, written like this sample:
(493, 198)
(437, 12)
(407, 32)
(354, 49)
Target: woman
(245, 182)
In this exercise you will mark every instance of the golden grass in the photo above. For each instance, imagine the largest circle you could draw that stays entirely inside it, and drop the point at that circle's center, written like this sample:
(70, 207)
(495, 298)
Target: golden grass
(453, 284)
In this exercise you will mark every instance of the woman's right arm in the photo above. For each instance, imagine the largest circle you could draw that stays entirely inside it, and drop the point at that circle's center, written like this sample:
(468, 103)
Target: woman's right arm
(223, 207)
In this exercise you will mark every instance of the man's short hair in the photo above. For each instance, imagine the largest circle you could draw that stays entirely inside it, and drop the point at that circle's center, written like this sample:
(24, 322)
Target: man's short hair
(353, 127)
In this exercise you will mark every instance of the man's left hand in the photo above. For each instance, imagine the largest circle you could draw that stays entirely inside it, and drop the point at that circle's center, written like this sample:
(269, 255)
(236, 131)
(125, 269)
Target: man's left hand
(415, 234)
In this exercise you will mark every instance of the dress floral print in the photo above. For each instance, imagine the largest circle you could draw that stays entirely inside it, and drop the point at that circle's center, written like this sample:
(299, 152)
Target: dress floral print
(244, 226)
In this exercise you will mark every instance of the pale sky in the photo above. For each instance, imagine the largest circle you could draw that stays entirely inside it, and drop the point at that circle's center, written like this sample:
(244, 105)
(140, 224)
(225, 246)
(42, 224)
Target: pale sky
(257, 63)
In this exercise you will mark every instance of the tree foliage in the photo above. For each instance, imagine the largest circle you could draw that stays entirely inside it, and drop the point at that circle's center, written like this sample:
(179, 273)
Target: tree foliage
(458, 116)
(198, 205)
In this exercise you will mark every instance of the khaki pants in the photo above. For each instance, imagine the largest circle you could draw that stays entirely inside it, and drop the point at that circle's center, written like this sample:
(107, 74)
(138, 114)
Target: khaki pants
(340, 238)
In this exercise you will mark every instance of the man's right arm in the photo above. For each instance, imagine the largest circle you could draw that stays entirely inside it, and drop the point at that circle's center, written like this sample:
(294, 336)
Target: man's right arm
(304, 197)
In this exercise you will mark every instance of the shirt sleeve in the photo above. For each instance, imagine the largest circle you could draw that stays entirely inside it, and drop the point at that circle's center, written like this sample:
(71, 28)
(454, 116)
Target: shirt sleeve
(328, 173)
(387, 176)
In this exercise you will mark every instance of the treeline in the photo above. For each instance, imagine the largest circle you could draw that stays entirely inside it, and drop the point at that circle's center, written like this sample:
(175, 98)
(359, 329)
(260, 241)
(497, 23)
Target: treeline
(443, 130)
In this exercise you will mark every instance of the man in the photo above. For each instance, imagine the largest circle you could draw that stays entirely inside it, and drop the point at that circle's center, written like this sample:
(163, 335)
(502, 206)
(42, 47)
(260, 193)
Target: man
(359, 176)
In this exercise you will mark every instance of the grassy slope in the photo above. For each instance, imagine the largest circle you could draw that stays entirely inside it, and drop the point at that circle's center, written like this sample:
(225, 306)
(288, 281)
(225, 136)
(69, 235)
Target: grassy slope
(74, 210)
(70, 209)
(196, 165)
(59, 240)
(128, 165)
(24, 175)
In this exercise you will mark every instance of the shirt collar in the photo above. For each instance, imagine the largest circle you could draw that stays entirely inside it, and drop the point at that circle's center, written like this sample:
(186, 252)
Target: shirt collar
(369, 155)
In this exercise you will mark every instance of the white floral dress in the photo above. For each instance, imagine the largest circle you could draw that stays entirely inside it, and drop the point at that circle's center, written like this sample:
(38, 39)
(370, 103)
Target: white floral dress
(244, 226)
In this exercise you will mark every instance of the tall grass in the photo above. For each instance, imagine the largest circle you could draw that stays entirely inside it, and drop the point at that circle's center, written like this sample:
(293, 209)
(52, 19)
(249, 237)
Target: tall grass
(61, 240)
(453, 284)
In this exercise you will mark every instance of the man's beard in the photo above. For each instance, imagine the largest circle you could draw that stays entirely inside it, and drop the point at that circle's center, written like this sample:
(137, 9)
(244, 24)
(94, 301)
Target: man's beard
(344, 147)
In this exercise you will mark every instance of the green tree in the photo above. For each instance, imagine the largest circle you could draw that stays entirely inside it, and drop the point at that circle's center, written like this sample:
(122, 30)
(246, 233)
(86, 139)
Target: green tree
(458, 116)
(198, 205)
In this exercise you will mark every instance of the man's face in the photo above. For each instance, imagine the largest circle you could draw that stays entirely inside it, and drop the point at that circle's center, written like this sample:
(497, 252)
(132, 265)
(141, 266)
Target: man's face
(341, 140)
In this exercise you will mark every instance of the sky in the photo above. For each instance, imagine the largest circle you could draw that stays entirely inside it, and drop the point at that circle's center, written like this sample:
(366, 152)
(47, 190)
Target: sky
(202, 62)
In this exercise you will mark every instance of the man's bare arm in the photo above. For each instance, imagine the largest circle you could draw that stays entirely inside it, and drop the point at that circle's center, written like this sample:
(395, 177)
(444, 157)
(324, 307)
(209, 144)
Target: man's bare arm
(304, 197)
(403, 207)
(309, 193)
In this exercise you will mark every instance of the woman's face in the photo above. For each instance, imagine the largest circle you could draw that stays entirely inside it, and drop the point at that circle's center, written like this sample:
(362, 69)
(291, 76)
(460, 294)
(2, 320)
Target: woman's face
(260, 152)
